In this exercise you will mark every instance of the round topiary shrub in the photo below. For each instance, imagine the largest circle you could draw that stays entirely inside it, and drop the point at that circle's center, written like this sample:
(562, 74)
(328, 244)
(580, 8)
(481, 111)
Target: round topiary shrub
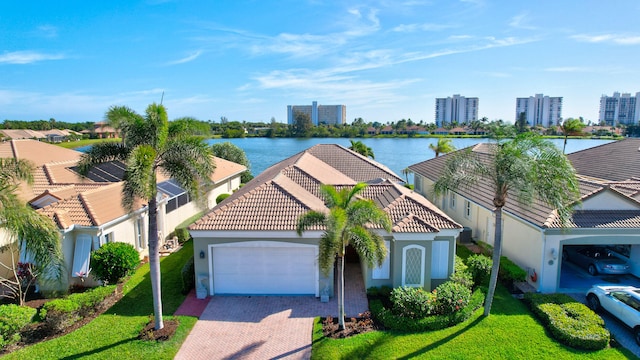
(113, 261)
(451, 297)
(221, 197)
(480, 268)
(415, 303)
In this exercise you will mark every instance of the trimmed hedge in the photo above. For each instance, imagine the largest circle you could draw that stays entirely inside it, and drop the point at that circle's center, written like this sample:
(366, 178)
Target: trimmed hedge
(221, 197)
(569, 321)
(436, 322)
(480, 268)
(188, 273)
(13, 318)
(461, 274)
(451, 297)
(182, 234)
(510, 272)
(61, 313)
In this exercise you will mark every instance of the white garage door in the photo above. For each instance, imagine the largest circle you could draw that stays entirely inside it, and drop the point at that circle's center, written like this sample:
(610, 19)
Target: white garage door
(268, 269)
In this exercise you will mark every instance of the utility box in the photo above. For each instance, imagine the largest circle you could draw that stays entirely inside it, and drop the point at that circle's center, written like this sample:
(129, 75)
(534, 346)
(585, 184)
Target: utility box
(465, 235)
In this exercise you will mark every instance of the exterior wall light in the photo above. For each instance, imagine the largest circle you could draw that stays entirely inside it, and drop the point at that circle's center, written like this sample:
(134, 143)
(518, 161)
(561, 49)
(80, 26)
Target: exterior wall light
(202, 254)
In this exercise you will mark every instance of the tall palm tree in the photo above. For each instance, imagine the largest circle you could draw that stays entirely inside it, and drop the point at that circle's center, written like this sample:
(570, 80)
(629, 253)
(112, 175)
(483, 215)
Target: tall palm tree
(28, 230)
(443, 146)
(528, 167)
(362, 149)
(349, 221)
(569, 127)
(149, 148)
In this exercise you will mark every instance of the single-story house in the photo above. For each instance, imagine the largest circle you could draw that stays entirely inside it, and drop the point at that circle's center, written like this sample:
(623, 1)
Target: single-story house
(88, 211)
(609, 212)
(248, 243)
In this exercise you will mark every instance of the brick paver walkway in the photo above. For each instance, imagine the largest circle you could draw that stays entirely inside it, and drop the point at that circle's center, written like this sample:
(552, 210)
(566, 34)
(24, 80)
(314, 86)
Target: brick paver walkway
(266, 327)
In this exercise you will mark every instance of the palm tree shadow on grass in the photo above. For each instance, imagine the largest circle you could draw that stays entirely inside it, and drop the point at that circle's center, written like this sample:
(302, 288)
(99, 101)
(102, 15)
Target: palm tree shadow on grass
(138, 301)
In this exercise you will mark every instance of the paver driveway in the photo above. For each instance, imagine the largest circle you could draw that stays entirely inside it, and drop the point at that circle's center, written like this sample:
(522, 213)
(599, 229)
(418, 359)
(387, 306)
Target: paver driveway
(265, 327)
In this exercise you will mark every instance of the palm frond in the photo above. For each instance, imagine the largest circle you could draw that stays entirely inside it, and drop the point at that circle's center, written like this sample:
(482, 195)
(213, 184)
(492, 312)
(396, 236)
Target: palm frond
(101, 153)
(189, 161)
(140, 176)
(309, 219)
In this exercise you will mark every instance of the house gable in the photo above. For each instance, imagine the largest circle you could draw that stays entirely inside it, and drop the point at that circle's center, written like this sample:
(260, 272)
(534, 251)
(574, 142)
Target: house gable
(608, 200)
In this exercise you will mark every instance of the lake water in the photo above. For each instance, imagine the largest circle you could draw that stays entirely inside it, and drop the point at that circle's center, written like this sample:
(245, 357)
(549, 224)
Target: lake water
(395, 153)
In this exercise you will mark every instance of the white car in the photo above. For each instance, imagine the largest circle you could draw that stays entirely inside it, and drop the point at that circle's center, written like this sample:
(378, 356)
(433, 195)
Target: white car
(623, 302)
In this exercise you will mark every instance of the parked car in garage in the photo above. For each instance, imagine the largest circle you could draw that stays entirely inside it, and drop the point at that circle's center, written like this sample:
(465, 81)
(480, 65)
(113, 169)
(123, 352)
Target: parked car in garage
(595, 259)
(622, 302)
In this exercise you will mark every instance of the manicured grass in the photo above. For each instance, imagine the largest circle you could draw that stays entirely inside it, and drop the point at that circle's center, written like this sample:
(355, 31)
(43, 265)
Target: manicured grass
(511, 332)
(113, 335)
(84, 142)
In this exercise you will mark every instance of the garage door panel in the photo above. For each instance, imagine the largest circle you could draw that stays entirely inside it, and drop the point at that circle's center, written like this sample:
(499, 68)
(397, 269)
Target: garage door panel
(264, 270)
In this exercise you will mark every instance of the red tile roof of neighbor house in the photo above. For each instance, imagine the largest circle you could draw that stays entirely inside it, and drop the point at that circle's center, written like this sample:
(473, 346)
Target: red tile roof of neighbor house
(276, 198)
(541, 214)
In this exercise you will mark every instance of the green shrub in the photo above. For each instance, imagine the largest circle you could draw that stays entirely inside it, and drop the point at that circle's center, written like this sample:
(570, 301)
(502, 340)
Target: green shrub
(451, 297)
(433, 322)
(113, 261)
(569, 321)
(463, 251)
(412, 302)
(510, 272)
(13, 318)
(221, 197)
(461, 274)
(182, 234)
(60, 313)
(188, 276)
(89, 300)
(480, 269)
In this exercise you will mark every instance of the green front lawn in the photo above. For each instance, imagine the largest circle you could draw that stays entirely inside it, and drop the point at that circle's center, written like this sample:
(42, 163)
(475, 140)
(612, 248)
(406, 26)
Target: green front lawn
(84, 142)
(511, 332)
(113, 335)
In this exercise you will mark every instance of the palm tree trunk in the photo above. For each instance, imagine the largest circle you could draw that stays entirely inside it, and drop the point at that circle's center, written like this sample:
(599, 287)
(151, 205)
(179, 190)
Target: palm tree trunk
(154, 263)
(495, 268)
(341, 314)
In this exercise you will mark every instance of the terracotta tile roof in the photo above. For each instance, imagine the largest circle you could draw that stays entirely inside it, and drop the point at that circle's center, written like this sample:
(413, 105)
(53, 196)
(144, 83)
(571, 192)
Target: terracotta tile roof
(94, 207)
(23, 134)
(616, 161)
(39, 153)
(537, 213)
(276, 198)
(225, 169)
(618, 219)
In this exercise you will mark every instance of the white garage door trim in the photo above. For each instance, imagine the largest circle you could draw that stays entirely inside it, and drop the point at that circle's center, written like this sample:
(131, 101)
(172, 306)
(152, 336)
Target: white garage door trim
(265, 245)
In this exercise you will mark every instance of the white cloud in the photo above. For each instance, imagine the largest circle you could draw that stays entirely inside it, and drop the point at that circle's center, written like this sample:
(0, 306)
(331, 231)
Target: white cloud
(611, 38)
(47, 31)
(410, 28)
(186, 59)
(571, 69)
(521, 22)
(27, 57)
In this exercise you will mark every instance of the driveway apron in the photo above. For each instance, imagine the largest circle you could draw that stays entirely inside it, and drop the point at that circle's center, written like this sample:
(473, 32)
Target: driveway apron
(266, 327)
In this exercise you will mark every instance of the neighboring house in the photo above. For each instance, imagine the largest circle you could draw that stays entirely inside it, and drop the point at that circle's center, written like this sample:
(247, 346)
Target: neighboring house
(609, 213)
(441, 131)
(102, 130)
(88, 211)
(54, 135)
(248, 244)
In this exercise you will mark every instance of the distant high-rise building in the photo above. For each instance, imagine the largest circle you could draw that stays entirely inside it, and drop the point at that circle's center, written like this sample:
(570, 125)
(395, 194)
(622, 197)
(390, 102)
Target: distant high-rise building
(620, 109)
(457, 108)
(540, 110)
(319, 114)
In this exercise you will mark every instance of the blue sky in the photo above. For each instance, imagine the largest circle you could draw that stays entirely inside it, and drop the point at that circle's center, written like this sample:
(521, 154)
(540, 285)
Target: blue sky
(247, 60)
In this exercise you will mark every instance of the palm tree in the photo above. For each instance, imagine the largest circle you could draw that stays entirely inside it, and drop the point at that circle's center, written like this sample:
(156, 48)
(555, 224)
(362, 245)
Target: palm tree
(348, 221)
(443, 146)
(28, 230)
(528, 167)
(362, 149)
(120, 118)
(150, 147)
(571, 126)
